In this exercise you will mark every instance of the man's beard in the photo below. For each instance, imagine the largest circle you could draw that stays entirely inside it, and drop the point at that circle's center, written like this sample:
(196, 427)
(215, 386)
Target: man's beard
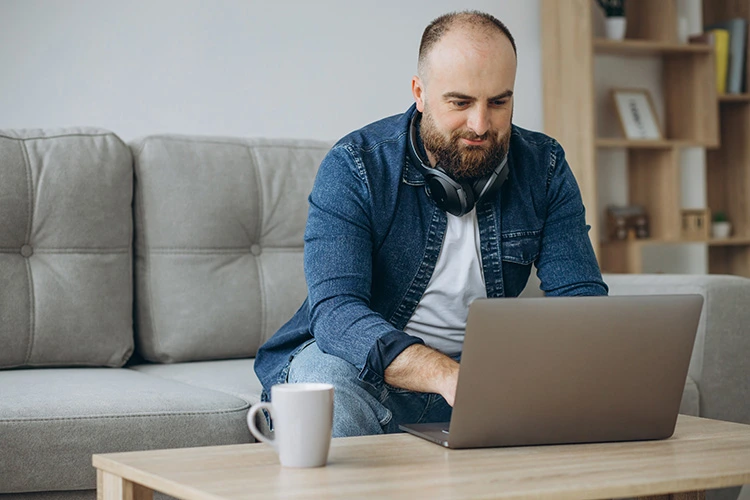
(463, 162)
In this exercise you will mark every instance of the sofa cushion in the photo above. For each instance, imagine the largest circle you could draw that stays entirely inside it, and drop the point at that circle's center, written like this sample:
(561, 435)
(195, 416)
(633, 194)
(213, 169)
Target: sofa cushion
(219, 229)
(53, 420)
(233, 376)
(690, 403)
(65, 248)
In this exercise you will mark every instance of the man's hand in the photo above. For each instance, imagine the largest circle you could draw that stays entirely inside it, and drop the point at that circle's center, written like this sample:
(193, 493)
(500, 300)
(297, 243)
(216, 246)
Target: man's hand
(422, 369)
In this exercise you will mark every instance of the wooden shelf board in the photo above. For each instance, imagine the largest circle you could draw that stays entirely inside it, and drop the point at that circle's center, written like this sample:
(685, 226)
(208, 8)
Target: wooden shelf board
(645, 242)
(727, 242)
(614, 142)
(735, 241)
(730, 98)
(647, 47)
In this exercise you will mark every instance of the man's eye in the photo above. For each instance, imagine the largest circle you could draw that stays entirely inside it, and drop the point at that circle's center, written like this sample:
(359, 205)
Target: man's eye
(460, 104)
(499, 102)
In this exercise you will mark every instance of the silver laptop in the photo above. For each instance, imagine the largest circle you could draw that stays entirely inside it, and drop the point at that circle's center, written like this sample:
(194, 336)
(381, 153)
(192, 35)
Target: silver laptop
(560, 370)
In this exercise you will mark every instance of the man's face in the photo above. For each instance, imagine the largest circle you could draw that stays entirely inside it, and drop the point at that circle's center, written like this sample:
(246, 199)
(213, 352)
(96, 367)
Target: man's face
(466, 97)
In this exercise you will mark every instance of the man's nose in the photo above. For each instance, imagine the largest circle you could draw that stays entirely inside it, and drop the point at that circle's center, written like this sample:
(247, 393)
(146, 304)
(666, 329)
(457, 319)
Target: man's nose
(479, 120)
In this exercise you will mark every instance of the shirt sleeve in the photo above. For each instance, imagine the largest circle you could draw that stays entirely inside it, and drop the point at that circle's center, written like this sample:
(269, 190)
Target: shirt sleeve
(338, 269)
(386, 349)
(567, 264)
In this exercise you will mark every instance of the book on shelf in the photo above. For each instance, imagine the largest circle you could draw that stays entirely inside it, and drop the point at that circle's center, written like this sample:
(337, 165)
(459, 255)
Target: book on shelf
(719, 38)
(737, 28)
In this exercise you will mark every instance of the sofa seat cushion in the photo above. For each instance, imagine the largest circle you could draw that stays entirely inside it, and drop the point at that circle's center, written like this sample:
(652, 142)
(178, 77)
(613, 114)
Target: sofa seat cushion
(66, 233)
(53, 420)
(233, 376)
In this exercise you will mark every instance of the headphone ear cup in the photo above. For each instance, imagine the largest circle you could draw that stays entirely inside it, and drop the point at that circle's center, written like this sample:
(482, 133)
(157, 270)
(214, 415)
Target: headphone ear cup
(448, 195)
(470, 198)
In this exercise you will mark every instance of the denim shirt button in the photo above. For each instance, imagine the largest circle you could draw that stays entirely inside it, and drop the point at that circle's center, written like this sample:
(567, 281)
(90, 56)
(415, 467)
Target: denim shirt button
(256, 250)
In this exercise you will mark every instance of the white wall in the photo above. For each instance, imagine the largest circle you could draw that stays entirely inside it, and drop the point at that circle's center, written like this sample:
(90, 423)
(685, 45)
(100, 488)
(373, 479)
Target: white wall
(305, 69)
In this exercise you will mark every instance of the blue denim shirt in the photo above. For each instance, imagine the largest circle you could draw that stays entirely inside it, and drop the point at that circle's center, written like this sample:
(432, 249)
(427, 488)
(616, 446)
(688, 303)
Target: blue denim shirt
(373, 237)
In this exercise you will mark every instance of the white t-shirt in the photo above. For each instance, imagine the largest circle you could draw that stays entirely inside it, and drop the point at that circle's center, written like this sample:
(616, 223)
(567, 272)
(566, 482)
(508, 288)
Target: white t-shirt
(458, 279)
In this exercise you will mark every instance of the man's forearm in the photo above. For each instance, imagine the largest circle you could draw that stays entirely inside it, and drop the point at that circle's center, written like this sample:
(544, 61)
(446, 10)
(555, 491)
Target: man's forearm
(422, 369)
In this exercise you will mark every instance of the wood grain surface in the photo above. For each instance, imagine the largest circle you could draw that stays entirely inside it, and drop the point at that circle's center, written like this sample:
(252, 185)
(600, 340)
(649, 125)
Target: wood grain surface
(702, 454)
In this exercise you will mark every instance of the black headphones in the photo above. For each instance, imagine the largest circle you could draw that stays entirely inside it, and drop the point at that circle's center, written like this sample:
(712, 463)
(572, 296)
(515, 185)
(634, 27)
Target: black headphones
(455, 197)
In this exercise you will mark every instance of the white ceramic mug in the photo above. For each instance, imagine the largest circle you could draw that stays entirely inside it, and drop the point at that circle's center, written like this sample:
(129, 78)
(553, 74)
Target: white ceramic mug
(302, 417)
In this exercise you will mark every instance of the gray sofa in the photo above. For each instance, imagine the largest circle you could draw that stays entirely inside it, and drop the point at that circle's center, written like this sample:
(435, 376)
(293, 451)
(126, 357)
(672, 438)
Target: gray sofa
(138, 281)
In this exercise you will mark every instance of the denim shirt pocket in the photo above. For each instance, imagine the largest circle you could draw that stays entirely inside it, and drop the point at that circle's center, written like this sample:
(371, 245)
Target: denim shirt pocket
(519, 250)
(521, 247)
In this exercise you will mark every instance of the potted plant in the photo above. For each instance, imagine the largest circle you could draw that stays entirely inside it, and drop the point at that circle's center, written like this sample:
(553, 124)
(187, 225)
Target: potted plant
(721, 228)
(614, 10)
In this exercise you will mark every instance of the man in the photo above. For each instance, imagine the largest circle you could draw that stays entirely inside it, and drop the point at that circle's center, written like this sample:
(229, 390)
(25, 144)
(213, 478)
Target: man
(411, 218)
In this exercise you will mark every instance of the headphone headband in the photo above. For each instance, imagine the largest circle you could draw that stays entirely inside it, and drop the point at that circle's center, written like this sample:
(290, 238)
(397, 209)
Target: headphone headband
(453, 196)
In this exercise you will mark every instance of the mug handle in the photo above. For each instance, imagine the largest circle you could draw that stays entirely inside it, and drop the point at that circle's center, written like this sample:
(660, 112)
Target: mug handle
(254, 429)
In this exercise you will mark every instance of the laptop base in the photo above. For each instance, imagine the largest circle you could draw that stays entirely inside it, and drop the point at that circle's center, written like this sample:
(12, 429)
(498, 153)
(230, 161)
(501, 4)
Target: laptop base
(436, 432)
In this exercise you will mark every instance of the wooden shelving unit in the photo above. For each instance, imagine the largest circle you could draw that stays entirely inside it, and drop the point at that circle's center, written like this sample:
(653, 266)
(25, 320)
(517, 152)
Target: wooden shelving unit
(695, 116)
(728, 168)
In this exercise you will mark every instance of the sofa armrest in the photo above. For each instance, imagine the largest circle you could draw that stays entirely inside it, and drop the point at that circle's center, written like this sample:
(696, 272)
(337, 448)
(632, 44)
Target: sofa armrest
(720, 364)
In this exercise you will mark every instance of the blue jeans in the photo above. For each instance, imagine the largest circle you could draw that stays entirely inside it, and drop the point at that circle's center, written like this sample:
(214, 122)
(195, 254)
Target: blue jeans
(359, 408)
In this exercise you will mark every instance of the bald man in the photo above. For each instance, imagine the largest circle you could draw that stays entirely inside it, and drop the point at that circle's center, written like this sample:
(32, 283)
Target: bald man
(415, 216)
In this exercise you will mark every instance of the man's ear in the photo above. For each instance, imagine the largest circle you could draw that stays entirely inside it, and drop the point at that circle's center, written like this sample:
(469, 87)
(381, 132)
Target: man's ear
(417, 89)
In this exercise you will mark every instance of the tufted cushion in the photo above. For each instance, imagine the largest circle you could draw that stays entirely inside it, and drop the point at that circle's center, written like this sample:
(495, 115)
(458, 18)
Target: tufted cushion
(219, 226)
(65, 248)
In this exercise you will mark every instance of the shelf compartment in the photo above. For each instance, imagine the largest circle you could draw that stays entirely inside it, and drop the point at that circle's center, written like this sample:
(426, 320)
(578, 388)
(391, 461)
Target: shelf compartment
(727, 171)
(726, 256)
(729, 260)
(653, 183)
(691, 114)
(626, 256)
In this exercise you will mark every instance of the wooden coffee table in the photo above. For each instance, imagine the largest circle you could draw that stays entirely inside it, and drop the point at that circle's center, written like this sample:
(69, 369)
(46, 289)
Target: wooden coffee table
(703, 454)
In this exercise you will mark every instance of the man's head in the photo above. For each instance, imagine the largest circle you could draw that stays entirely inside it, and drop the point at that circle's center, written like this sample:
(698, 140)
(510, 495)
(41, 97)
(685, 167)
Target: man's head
(464, 88)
